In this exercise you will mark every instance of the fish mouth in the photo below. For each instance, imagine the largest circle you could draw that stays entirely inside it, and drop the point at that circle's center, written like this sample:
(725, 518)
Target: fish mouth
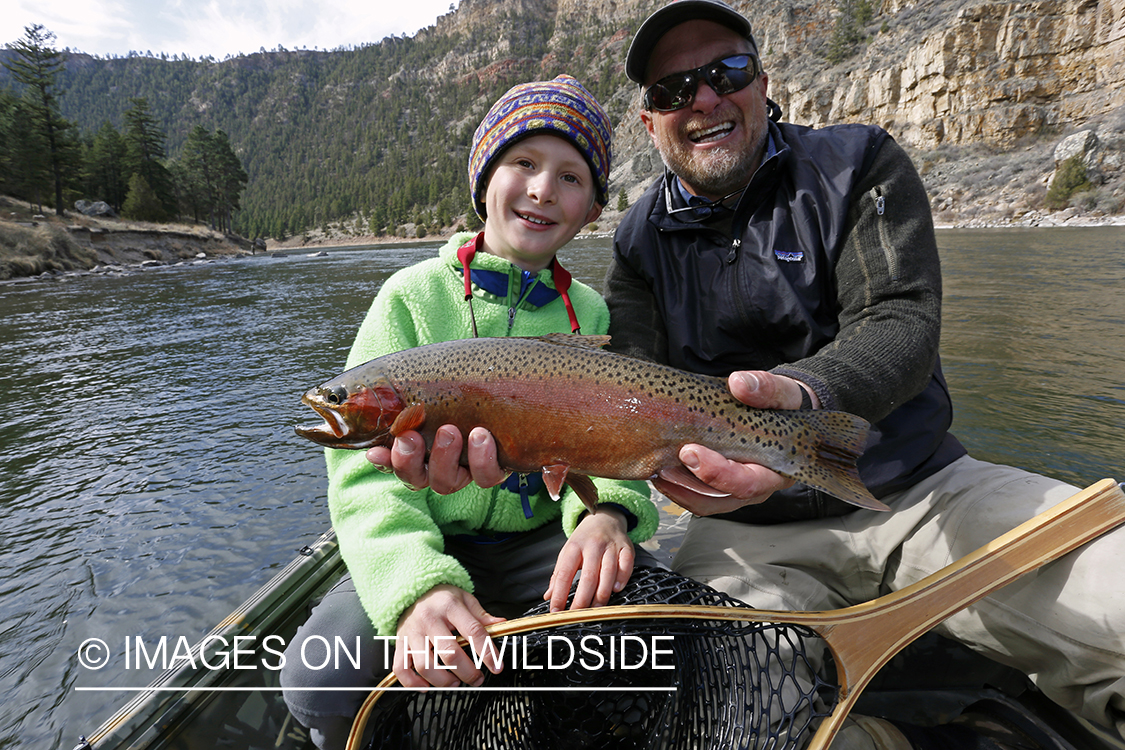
(332, 431)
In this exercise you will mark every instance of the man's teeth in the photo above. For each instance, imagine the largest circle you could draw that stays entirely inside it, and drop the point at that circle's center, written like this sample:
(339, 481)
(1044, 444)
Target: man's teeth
(532, 219)
(711, 134)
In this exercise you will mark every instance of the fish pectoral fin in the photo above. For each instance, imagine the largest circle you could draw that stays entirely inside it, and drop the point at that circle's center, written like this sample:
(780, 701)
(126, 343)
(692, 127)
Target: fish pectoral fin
(680, 476)
(410, 418)
(554, 476)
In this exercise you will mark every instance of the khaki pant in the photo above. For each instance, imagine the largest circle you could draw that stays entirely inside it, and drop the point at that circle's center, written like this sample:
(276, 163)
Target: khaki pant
(1063, 625)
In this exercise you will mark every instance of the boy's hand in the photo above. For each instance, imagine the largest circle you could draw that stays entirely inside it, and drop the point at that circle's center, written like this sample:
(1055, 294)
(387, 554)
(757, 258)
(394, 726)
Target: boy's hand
(601, 549)
(426, 650)
(443, 473)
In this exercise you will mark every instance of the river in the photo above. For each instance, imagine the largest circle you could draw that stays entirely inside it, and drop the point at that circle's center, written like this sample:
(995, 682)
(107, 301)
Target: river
(151, 479)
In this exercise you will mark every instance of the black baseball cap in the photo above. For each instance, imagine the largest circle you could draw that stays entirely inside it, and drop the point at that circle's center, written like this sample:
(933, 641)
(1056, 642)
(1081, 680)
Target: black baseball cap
(673, 14)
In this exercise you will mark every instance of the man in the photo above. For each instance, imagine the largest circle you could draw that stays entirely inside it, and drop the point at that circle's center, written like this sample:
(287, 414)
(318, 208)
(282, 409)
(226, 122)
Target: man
(802, 263)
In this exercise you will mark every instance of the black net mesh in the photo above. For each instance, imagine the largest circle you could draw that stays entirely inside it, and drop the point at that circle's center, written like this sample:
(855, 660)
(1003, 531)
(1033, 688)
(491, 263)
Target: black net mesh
(607, 684)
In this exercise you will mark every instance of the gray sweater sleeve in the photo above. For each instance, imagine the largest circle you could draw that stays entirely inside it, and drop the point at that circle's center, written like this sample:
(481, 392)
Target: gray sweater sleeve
(636, 328)
(888, 282)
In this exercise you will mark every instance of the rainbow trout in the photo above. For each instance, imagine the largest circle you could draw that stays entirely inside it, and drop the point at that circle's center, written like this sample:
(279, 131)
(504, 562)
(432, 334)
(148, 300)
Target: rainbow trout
(560, 405)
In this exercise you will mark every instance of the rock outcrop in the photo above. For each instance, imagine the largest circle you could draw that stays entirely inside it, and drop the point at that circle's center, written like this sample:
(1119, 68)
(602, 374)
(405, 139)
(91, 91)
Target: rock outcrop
(994, 73)
(979, 91)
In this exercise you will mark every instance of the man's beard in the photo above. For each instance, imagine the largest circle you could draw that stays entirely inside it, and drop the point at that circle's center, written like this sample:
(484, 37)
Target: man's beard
(715, 173)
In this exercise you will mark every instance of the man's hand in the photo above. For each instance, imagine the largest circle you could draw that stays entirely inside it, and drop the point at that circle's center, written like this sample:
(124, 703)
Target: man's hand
(745, 484)
(444, 473)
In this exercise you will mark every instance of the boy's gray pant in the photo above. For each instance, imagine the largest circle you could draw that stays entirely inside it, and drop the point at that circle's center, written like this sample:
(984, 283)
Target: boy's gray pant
(509, 578)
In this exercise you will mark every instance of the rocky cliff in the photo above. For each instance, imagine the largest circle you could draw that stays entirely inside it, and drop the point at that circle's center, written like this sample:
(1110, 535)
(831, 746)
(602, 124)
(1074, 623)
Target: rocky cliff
(993, 72)
(980, 93)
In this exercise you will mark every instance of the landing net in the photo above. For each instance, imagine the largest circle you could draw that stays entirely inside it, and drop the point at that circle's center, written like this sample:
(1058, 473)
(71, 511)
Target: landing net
(730, 684)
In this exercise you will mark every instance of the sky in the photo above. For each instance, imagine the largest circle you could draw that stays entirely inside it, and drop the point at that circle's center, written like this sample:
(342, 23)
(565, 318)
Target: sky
(216, 28)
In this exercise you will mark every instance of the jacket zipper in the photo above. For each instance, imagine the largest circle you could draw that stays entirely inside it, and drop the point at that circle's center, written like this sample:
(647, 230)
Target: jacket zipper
(884, 237)
(515, 281)
(732, 256)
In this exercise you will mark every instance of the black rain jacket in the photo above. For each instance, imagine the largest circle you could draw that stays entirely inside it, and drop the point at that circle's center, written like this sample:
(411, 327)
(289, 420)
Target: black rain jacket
(826, 271)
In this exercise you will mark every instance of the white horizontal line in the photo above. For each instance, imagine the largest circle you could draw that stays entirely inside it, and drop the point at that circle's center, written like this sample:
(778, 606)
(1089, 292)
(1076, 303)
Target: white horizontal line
(397, 688)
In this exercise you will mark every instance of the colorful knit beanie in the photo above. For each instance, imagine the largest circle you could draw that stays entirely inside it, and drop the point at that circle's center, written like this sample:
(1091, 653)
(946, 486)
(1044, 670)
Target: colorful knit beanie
(560, 107)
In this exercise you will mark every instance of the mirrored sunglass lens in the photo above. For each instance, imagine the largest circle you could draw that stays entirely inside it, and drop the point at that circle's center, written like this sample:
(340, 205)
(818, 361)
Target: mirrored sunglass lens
(738, 62)
(728, 80)
(673, 92)
(730, 75)
(678, 91)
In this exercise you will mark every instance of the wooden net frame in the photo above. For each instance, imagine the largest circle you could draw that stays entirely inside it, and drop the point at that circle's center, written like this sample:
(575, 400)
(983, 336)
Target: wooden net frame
(741, 678)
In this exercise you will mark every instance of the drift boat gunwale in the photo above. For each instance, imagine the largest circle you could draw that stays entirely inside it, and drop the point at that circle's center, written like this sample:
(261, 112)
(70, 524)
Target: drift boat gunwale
(157, 717)
(153, 720)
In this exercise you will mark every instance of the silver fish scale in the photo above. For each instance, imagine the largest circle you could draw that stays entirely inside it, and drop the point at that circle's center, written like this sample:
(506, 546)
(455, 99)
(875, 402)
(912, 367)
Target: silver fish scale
(622, 416)
(435, 366)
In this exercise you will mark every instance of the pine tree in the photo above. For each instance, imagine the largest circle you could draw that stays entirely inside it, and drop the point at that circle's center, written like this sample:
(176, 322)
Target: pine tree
(1069, 178)
(142, 204)
(198, 185)
(24, 167)
(8, 142)
(145, 155)
(232, 179)
(210, 177)
(851, 28)
(105, 168)
(37, 67)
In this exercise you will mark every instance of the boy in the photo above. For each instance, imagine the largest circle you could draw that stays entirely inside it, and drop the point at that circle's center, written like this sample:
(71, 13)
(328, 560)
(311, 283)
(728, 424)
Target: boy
(424, 566)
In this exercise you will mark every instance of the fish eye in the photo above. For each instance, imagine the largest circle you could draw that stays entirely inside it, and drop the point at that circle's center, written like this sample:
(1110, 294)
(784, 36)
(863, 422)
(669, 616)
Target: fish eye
(336, 396)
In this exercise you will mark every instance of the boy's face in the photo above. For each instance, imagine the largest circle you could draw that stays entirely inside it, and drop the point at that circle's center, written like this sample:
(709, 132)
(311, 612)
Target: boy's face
(540, 192)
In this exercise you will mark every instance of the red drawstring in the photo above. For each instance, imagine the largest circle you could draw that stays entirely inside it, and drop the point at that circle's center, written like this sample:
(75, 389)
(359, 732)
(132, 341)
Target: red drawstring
(562, 284)
(562, 277)
(465, 254)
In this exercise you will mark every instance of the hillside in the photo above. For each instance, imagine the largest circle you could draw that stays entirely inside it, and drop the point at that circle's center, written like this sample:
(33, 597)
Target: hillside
(374, 140)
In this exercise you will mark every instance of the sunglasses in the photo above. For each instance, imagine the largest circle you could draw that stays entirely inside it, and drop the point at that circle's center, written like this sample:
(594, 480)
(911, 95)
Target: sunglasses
(724, 76)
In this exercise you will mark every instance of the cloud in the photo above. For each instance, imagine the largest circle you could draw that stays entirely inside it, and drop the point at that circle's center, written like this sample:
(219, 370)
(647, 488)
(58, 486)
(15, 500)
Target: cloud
(217, 27)
(94, 22)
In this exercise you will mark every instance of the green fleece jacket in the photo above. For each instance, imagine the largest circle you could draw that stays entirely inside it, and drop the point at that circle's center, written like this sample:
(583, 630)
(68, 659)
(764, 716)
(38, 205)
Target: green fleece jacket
(391, 538)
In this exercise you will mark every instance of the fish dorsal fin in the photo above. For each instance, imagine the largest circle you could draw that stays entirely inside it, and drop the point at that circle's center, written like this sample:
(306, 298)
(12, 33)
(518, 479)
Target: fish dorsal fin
(579, 340)
(410, 418)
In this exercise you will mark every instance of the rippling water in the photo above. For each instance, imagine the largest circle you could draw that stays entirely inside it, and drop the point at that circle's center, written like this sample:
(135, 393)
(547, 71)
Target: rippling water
(150, 476)
(150, 479)
(1033, 345)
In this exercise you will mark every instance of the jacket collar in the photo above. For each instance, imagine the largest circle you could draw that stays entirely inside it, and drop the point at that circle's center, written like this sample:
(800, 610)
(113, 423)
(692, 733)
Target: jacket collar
(546, 286)
(777, 153)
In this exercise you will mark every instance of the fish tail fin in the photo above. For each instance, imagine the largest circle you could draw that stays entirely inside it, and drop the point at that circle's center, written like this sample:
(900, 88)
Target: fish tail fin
(838, 441)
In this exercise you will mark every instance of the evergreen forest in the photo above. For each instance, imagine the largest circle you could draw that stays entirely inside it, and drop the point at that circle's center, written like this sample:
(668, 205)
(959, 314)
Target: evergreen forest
(47, 160)
(276, 143)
